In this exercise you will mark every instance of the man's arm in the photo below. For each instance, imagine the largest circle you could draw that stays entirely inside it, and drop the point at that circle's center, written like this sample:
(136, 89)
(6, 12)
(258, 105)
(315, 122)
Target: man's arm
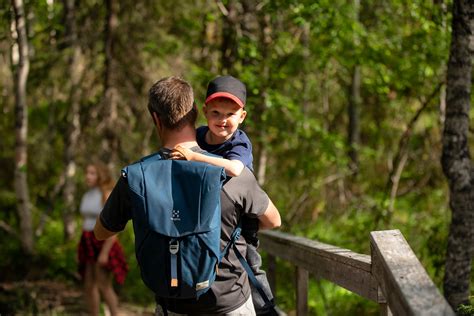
(116, 212)
(270, 218)
(100, 232)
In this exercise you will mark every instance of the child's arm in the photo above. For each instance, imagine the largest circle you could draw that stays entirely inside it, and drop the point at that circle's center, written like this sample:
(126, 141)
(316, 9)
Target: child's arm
(233, 168)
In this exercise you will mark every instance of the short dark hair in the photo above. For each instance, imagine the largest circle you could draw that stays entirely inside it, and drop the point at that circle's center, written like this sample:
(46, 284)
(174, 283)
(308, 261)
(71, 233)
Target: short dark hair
(172, 99)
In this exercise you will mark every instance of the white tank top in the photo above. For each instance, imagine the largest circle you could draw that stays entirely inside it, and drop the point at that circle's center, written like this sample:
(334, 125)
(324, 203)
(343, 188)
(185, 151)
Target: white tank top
(91, 205)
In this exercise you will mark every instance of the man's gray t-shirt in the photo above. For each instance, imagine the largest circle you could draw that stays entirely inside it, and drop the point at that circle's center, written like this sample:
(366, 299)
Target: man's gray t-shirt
(240, 195)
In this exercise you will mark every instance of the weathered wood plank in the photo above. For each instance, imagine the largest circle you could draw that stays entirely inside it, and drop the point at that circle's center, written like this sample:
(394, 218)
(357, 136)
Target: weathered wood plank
(302, 280)
(343, 267)
(403, 280)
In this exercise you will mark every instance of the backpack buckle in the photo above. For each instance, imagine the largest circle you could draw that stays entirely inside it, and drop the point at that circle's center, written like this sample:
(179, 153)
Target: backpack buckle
(174, 247)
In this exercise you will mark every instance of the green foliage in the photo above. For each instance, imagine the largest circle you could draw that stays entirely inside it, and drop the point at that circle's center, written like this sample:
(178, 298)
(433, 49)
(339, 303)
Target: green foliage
(297, 59)
(465, 310)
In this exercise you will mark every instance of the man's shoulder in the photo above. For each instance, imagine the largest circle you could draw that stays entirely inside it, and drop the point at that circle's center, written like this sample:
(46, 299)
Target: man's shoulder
(157, 160)
(240, 183)
(245, 192)
(151, 157)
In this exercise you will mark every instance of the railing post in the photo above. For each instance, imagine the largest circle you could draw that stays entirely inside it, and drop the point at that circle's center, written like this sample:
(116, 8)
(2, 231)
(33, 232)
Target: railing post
(271, 273)
(384, 309)
(302, 277)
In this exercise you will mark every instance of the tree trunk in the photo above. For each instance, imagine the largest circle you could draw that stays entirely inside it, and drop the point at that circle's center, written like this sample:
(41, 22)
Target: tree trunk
(261, 107)
(354, 120)
(21, 129)
(229, 36)
(209, 53)
(75, 70)
(306, 59)
(110, 143)
(455, 160)
(354, 105)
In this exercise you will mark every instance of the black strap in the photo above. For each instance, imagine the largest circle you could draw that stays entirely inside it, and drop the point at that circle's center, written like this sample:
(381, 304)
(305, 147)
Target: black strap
(163, 306)
(233, 239)
(252, 277)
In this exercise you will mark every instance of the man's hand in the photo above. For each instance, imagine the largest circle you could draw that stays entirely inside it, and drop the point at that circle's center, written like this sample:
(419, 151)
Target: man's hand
(181, 153)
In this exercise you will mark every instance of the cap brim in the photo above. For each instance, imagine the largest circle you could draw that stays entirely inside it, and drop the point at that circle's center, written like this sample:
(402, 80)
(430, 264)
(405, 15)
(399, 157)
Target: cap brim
(224, 95)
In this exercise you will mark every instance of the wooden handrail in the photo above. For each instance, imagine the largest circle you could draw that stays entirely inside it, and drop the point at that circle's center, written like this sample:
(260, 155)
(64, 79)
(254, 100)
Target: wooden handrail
(392, 272)
(401, 277)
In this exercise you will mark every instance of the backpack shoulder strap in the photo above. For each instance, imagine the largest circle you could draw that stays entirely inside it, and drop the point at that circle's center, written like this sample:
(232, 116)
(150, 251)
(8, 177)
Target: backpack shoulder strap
(232, 244)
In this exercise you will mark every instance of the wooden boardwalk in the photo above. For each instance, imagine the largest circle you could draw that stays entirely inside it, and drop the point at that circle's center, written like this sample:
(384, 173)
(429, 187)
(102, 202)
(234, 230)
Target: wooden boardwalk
(391, 276)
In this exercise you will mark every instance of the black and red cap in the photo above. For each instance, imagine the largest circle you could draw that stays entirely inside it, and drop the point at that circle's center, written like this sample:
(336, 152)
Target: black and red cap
(227, 87)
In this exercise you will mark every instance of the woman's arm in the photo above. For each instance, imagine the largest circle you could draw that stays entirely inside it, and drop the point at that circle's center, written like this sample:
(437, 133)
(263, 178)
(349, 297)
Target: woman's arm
(103, 257)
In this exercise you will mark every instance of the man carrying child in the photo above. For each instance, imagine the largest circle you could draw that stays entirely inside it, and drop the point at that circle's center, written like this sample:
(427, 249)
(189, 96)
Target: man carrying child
(171, 104)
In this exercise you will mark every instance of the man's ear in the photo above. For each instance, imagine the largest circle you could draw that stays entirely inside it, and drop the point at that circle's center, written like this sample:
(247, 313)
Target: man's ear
(156, 120)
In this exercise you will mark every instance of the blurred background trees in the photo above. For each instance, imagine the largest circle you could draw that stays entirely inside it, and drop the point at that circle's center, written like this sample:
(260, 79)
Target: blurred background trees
(346, 108)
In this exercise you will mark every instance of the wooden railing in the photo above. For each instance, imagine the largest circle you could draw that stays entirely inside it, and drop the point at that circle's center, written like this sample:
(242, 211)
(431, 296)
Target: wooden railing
(391, 276)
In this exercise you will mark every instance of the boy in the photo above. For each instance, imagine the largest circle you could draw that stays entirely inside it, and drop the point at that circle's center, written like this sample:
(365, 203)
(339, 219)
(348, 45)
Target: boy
(224, 110)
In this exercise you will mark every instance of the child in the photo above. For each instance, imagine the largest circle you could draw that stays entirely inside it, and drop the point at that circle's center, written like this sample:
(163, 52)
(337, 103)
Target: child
(99, 260)
(224, 111)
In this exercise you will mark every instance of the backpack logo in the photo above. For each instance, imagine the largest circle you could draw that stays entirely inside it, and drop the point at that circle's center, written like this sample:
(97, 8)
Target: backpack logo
(175, 215)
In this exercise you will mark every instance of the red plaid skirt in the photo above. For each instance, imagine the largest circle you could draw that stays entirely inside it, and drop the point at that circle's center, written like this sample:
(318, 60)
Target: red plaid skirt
(89, 250)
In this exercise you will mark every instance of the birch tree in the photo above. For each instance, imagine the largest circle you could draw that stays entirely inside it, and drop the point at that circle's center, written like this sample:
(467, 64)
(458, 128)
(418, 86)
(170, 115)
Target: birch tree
(75, 69)
(21, 128)
(110, 143)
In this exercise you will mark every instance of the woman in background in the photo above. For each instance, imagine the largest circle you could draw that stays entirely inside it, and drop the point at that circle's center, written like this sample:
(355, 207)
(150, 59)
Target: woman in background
(99, 261)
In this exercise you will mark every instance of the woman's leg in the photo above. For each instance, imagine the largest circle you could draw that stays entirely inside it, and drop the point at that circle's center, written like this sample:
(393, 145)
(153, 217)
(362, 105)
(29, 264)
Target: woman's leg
(104, 280)
(91, 290)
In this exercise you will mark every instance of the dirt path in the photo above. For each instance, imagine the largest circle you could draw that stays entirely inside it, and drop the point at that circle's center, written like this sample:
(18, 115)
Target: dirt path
(51, 298)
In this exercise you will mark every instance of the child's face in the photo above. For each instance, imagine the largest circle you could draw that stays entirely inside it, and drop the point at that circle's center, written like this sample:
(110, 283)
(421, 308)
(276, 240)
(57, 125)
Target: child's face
(223, 118)
(92, 176)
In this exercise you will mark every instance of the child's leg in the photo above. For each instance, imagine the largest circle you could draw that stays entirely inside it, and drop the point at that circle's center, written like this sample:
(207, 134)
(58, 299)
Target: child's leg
(104, 280)
(91, 290)
(249, 231)
(255, 262)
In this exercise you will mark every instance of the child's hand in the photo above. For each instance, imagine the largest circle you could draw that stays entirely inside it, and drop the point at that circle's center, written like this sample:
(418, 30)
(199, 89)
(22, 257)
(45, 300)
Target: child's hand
(181, 153)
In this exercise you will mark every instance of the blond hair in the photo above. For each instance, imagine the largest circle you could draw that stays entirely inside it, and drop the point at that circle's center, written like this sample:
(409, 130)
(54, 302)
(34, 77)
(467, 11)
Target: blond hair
(104, 178)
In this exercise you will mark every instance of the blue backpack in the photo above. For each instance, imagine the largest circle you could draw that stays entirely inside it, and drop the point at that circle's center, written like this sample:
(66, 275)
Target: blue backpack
(176, 215)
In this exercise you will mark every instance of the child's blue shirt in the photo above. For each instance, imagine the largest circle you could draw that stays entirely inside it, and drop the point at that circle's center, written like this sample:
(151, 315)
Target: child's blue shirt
(238, 147)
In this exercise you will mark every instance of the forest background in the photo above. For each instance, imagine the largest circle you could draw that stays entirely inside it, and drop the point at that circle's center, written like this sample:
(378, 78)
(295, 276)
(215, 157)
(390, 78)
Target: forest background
(346, 106)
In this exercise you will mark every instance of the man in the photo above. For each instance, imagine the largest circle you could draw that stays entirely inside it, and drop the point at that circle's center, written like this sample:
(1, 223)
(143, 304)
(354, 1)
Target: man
(171, 104)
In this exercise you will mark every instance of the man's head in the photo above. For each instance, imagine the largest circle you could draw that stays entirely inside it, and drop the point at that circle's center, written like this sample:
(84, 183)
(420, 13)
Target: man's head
(172, 100)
